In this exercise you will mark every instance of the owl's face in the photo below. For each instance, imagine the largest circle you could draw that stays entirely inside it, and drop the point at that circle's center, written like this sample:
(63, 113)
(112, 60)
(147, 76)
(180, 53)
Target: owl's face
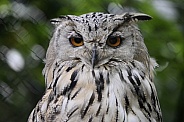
(96, 38)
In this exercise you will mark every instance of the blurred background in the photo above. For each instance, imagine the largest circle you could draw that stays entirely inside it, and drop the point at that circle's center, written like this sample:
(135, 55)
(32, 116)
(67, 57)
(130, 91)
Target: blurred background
(25, 31)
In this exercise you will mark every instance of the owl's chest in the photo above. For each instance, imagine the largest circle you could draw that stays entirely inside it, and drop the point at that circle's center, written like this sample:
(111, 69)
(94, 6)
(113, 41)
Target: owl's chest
(98, 94)
(110, 95)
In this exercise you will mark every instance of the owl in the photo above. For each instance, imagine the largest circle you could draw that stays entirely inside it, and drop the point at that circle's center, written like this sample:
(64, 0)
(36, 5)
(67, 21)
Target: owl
(98, 69)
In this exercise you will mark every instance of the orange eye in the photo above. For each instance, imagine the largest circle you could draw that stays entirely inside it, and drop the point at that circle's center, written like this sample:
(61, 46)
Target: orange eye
(76, 41)
(114, 41)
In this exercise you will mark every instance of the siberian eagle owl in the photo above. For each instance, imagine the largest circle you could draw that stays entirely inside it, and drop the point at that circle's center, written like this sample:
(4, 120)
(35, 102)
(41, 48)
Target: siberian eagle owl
(98, 70)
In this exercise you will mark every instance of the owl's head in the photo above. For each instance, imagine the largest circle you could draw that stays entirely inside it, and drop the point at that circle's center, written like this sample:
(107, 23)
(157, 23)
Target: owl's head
(96, 39)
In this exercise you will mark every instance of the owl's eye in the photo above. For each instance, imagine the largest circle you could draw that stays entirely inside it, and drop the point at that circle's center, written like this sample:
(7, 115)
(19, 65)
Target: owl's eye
(76, 41)
(114, 41)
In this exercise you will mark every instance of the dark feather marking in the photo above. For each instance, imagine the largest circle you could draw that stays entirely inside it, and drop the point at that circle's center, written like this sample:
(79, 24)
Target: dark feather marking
(105, 67)
(68, 69)
(70, 86)
(65, 90)
(117, 111)
(100, 86)
(68, 95)
(73, 82)
(34, 115)
(85, 109)
(107, 109)
(135, 114)
(157, 102)
(126, 104)
(153, 100)
(138, 91)
(58, 75)
(129, 71)
(93, 73)
(37, 110)
(53, 73)
(105, 29)
(82, 67)
(73, 79)
(75, 94)
(141, 98)
(102, 119)
(54, 85)
(56, 99)
(144, 108)
(121, 76)
(134, 85)
(108, 93)
(115, 60)
(105, 20)
(133, 63)
(159, 116)
(153, 97)
(50, 98)
(124, 118)
(93, 15)
(90, 119)
(89, 28)
(107, 80)
(133, 111)
(59, 69)
(56, 65)
(72, 112)
(142, 75)
(119, 19)
(98, 111)
(137, 79)
(149, 106)
(46, 79)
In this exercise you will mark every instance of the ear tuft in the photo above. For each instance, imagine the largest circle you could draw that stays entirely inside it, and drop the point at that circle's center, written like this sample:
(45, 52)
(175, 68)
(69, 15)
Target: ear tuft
(140, 16)
(57, 21)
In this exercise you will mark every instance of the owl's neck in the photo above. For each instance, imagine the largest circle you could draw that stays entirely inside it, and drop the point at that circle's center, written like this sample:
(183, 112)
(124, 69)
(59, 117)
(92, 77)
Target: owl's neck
(98, 76)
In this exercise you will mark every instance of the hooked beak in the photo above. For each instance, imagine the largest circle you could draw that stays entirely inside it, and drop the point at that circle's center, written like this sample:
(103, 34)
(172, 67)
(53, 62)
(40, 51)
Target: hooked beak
(94, 56)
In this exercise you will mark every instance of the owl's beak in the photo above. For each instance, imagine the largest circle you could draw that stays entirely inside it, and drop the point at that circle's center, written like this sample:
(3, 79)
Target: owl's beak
(94, 56)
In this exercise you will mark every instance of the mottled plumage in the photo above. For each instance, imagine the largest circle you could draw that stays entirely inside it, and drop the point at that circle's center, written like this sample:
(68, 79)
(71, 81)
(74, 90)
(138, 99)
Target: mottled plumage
(98, 70)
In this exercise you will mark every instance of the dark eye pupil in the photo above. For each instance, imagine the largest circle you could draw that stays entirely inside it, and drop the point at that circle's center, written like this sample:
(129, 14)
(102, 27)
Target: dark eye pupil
(113, 40)
(78, 40)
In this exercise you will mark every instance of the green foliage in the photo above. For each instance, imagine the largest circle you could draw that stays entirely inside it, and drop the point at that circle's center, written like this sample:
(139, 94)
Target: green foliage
(25, 28)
